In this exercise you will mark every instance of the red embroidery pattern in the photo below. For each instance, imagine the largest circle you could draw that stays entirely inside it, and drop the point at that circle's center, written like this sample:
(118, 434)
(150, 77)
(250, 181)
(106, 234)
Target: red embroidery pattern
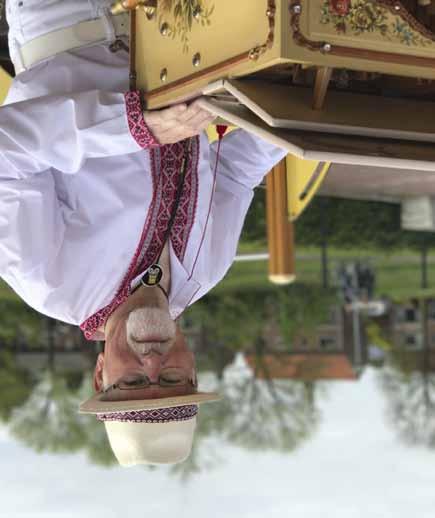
(187, 208)
(136, 122)
(172, 156)
(157, 415)
(166, 163)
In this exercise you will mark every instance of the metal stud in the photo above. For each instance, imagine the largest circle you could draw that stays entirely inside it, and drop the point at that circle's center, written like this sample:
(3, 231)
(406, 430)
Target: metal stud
(327, 47)
(397, 7)
(164, 29)
(196, 59)
(197, 12)
(297, 9)
(164, 75)
(254, 54)
(150, 12)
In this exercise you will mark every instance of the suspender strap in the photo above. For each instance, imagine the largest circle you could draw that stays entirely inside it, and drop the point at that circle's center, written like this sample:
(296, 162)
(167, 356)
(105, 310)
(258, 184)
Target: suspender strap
(84, 34)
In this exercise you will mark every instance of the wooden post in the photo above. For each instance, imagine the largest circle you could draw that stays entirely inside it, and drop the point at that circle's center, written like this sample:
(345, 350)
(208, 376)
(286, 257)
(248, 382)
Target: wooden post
(280, 232)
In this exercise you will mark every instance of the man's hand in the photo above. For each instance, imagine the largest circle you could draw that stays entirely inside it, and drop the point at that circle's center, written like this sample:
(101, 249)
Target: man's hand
(178, 122)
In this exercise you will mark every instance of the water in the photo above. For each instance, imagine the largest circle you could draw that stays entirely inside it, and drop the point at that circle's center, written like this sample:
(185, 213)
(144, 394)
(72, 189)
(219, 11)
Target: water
(327, 412)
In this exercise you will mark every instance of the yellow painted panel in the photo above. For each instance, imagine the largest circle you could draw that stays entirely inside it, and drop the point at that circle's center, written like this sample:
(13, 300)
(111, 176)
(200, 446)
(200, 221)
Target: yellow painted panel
(5, 83)
(221, 30)
(304, 178)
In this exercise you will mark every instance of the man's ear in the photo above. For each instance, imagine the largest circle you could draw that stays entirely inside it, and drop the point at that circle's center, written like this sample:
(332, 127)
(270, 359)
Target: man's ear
(98, 373)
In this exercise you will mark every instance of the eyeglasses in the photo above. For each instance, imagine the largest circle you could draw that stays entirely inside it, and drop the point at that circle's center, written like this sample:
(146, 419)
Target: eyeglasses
(166, 379)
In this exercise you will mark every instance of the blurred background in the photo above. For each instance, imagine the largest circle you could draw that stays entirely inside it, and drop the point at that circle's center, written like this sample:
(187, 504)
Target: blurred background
(328, 385)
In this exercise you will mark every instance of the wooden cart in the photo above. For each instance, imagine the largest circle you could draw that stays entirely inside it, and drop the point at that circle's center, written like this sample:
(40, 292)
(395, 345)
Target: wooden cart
(345, 81)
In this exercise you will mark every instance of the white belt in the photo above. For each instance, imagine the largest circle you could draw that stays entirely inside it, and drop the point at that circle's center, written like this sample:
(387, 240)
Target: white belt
(105, 29)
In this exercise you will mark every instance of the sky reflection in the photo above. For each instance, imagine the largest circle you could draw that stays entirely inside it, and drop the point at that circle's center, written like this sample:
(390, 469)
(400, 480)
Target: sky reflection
(353, 467)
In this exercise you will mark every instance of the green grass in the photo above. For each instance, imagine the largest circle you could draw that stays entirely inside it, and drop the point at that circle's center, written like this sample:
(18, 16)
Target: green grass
(398, 273)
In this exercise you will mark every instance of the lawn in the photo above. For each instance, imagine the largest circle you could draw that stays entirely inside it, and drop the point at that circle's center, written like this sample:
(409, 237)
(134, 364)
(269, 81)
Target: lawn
(398, 274)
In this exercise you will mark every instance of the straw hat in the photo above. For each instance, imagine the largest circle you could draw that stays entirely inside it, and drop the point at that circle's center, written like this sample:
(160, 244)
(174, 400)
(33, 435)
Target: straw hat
(149, 431)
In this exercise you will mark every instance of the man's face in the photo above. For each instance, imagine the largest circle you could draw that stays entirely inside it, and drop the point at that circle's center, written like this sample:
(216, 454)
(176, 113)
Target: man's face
(145, 342)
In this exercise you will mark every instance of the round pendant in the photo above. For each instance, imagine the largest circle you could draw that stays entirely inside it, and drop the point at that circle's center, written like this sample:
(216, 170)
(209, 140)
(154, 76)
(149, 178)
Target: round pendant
(153, 275)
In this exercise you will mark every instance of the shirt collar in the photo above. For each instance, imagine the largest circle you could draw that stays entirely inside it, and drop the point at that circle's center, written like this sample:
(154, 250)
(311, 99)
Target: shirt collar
(183, 286)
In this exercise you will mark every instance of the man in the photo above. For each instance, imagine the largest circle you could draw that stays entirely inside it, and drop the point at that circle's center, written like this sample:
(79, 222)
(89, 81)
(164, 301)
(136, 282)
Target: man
(114, 219)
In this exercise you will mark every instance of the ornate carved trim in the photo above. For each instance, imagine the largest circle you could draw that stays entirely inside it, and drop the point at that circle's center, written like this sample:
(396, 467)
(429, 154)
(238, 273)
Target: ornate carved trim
(398, 9)
(256, 52)
(393, 6)
(295, 9)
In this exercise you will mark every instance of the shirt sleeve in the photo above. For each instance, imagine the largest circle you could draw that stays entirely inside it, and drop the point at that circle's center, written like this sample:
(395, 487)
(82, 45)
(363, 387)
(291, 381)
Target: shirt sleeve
(62, 132)
(31, 234)
(243, 162)
(244, 158)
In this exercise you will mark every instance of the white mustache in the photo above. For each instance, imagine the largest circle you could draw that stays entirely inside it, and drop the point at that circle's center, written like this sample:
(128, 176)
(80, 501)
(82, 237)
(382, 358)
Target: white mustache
(150, 322)
(144, 348)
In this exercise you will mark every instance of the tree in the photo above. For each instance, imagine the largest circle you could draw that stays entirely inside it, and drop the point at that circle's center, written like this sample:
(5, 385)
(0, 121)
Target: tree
(239, 320)
(356, 224)
(15, 385)
(351, 224)
(267, 414)
(301, 308)
(409, 384)
(411, 404)
(19, 324)
(254, 228)
(48, 420)
(234, 319)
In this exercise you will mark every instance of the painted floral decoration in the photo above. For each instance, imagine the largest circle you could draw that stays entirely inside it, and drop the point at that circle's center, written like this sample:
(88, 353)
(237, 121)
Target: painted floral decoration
(340, 7)
(368, 16)
(182, 15)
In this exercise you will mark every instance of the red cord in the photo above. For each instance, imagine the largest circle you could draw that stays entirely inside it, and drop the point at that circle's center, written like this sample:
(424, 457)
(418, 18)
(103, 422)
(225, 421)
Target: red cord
(221, 130)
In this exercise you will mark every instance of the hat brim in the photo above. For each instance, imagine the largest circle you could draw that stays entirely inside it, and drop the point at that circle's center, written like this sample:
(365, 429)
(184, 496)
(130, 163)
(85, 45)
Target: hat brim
(97, 405)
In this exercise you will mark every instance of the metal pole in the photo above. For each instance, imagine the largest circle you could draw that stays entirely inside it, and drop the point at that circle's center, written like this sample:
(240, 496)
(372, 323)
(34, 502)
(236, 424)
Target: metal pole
(424, 280)
(325, 276)
(356, 335)
(324, 230)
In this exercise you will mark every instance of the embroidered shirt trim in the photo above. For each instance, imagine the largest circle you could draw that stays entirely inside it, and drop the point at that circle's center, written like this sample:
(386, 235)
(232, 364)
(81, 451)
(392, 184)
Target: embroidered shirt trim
(166, 164)
(157, 415)
(136, 122)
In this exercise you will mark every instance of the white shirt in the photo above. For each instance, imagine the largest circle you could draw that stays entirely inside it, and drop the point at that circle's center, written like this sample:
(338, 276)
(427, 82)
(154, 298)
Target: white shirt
(77, 202)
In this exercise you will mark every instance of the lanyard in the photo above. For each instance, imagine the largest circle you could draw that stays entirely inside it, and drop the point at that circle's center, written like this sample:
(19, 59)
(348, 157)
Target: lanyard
(154, 273)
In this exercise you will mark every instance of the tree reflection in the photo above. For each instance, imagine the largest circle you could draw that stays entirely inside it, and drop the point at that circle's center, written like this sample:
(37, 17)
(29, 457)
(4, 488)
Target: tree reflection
(47, 420)
(411, 404)
(267, 414)
(15, 385)
(255, 414)
(409, 380)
